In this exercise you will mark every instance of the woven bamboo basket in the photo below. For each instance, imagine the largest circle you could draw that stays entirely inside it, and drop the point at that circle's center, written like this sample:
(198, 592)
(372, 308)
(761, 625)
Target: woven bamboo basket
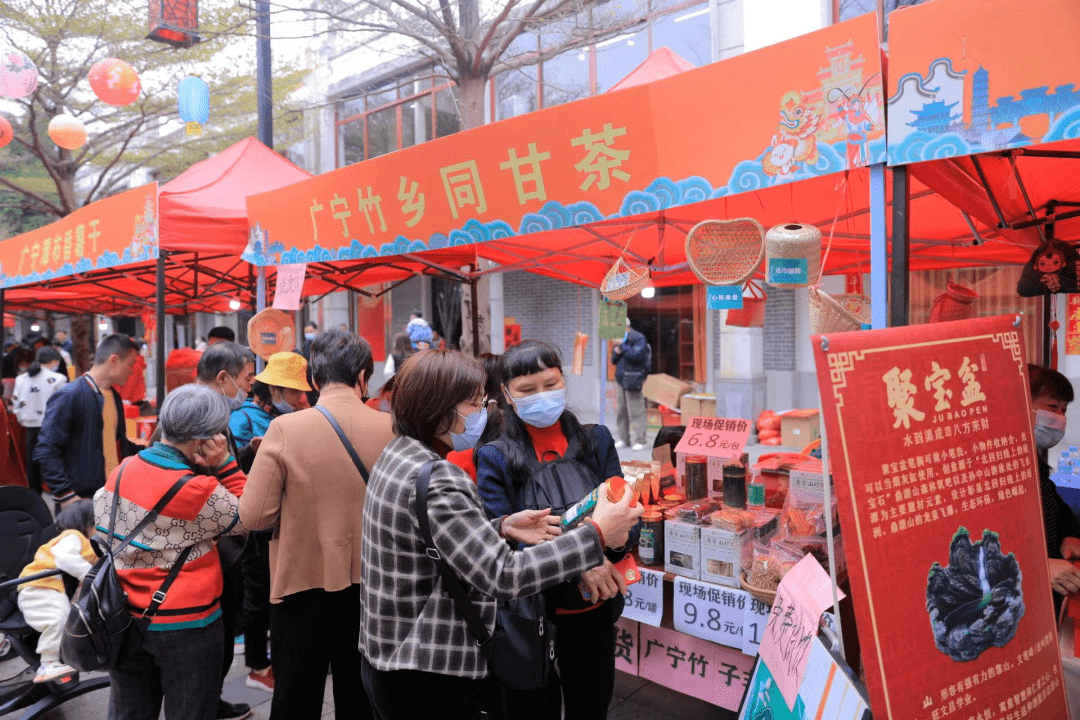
(839, 313)
(725, 252)
(623, 282)
(795, 240)
(956, 303)
(765, 596)
(752, 313)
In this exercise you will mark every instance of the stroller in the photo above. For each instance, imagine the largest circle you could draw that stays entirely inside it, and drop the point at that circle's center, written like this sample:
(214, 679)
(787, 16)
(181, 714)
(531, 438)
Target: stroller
(25, 523)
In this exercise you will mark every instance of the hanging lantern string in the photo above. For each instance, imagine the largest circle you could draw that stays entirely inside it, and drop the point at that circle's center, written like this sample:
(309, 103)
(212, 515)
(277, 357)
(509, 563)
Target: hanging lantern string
(841, 187)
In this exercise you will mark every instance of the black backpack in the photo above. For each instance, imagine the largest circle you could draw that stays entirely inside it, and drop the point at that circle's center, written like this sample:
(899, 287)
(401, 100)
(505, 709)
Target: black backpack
(100, 629)
(556, 484)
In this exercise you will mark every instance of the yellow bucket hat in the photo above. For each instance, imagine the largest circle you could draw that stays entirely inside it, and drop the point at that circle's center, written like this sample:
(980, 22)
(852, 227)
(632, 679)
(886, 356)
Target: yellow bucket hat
(285, 369)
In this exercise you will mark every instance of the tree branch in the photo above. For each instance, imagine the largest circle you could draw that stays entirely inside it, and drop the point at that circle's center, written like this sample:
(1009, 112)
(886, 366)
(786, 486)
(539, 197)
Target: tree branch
(59, 211)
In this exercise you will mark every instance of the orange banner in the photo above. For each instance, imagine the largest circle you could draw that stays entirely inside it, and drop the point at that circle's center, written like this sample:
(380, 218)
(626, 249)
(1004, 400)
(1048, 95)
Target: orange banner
(118, 230)
(972, 76)
(808, 107)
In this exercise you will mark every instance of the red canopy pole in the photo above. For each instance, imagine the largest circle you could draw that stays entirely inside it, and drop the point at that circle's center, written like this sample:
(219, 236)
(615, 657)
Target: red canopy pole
(159, 336)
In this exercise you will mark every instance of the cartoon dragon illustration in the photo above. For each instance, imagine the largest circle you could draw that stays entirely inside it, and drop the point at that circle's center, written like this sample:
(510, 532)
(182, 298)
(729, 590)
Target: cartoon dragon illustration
(794, 141)
(799, 120)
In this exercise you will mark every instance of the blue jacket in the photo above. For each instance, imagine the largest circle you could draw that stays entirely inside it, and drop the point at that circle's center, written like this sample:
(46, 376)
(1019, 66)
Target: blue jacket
(633, 362)
(248, 421)
(69, 448)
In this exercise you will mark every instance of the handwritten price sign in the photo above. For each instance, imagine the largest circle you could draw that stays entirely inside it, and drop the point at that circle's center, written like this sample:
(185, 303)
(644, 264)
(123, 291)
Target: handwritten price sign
(803, 595)
(290, 283)
(717, 437)
(645, 599)
(710, 612)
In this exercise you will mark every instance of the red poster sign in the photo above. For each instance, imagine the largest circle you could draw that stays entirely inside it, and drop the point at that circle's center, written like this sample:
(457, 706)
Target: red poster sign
(936, 479)
(1072, 325)
(716, 437)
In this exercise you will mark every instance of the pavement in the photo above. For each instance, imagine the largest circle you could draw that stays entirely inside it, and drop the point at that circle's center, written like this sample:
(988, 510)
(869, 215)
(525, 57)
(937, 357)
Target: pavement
(635, 699)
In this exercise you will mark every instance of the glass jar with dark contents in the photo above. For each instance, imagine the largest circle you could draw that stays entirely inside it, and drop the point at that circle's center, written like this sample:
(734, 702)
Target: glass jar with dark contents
(651, 541)
(735, 485)
(697, 476)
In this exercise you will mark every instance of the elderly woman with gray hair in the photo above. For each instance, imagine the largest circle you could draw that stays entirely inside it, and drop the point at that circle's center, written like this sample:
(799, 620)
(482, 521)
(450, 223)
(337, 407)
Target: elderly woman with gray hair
(192, 470)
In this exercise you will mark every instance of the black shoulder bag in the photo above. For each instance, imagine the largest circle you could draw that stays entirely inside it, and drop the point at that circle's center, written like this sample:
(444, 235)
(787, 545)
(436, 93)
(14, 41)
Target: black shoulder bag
(345, 441)
(521, 651)
(100, 629)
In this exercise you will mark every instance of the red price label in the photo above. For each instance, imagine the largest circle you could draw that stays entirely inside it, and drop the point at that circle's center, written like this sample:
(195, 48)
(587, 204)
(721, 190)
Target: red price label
(717, 437)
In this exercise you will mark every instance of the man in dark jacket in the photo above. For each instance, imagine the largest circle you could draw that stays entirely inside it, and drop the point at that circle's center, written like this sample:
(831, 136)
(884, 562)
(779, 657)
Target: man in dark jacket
(76, 449)
(632, 358)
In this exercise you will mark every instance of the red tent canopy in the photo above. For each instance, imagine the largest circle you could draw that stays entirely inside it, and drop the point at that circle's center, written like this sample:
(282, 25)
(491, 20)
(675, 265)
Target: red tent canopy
(661, 63)
(202, 229)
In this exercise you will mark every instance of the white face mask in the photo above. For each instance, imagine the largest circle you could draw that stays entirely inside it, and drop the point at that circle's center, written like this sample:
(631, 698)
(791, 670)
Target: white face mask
(1049, 429)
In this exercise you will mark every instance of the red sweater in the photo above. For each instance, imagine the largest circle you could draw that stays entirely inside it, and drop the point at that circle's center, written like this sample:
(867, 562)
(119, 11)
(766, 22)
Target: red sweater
(550, 443)
(205, 507)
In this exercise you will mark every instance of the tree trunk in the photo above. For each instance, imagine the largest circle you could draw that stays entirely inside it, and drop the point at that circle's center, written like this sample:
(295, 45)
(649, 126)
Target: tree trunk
(82, 337)
(471, 100)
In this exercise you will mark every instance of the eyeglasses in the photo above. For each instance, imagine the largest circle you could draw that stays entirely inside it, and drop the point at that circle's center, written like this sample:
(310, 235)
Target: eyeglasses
(479, 404)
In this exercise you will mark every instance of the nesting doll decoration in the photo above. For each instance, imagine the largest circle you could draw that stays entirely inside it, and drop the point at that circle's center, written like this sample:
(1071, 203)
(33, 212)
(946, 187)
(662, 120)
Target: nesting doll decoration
(1052, 269)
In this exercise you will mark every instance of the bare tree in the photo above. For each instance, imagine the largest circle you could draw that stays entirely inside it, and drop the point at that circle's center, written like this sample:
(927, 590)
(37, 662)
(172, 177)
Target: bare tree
(472, 42)
(64, 38)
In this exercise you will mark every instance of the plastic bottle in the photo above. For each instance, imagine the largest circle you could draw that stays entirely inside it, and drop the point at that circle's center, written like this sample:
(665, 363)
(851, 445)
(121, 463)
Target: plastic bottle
(756, 495)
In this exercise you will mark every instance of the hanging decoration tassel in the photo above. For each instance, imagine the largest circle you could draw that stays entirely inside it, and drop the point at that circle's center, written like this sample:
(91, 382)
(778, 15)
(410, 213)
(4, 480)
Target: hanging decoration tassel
(1054, 326)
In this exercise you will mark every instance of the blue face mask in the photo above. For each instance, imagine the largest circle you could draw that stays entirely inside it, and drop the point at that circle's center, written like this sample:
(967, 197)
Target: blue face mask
(309, 336)
(474, 428)
(541, 410)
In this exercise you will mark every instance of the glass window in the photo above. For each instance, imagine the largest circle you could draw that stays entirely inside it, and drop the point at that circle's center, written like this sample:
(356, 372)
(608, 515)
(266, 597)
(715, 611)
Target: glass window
(686, 33)
(854, 8)
(351, 139)
(616, 57)
(416, 121)
(566, 77)
(382, 132)
(516, 90)
(381, 95)
(351, 108)
(448, 121)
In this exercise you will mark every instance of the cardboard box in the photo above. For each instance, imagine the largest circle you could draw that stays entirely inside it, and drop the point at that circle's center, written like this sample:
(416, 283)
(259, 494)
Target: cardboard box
(799, 428)
(697, 405)
(725, 554)
(665, 389)
(682, 548)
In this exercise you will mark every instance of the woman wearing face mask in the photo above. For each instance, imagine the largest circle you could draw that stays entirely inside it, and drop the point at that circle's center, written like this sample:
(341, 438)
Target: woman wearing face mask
(546, 458)
(419, 657)
(33, 389)
(1051, 393)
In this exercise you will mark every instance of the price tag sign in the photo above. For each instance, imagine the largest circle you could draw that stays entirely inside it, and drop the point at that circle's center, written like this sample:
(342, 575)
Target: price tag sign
(723, 297)
(710, 612)
(717, 437)
(757, 615)
(612, 319)
(788, 271)
(645, 601)
(290, 283)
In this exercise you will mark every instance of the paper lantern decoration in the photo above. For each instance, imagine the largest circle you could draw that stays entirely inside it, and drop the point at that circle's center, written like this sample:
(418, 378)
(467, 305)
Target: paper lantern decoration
(793, 250)
(114, 82)
(67, 131)
(174, 22)
(18, 74)
(6, 133)
(193, 102)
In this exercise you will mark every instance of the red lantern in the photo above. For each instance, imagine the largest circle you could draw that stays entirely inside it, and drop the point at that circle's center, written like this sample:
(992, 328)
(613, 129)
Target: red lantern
(114, 82)
(174, 22)
(6, 133)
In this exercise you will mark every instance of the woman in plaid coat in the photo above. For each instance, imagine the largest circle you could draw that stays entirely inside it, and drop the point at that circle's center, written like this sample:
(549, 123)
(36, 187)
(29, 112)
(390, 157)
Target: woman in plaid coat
(419, 656)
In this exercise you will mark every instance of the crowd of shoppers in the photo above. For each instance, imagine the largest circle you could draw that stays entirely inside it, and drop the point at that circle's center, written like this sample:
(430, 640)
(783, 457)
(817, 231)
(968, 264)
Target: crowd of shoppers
(303, 521)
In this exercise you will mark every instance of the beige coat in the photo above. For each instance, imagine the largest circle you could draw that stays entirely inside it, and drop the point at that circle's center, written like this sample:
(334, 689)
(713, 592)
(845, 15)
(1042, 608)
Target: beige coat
(304, 485)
